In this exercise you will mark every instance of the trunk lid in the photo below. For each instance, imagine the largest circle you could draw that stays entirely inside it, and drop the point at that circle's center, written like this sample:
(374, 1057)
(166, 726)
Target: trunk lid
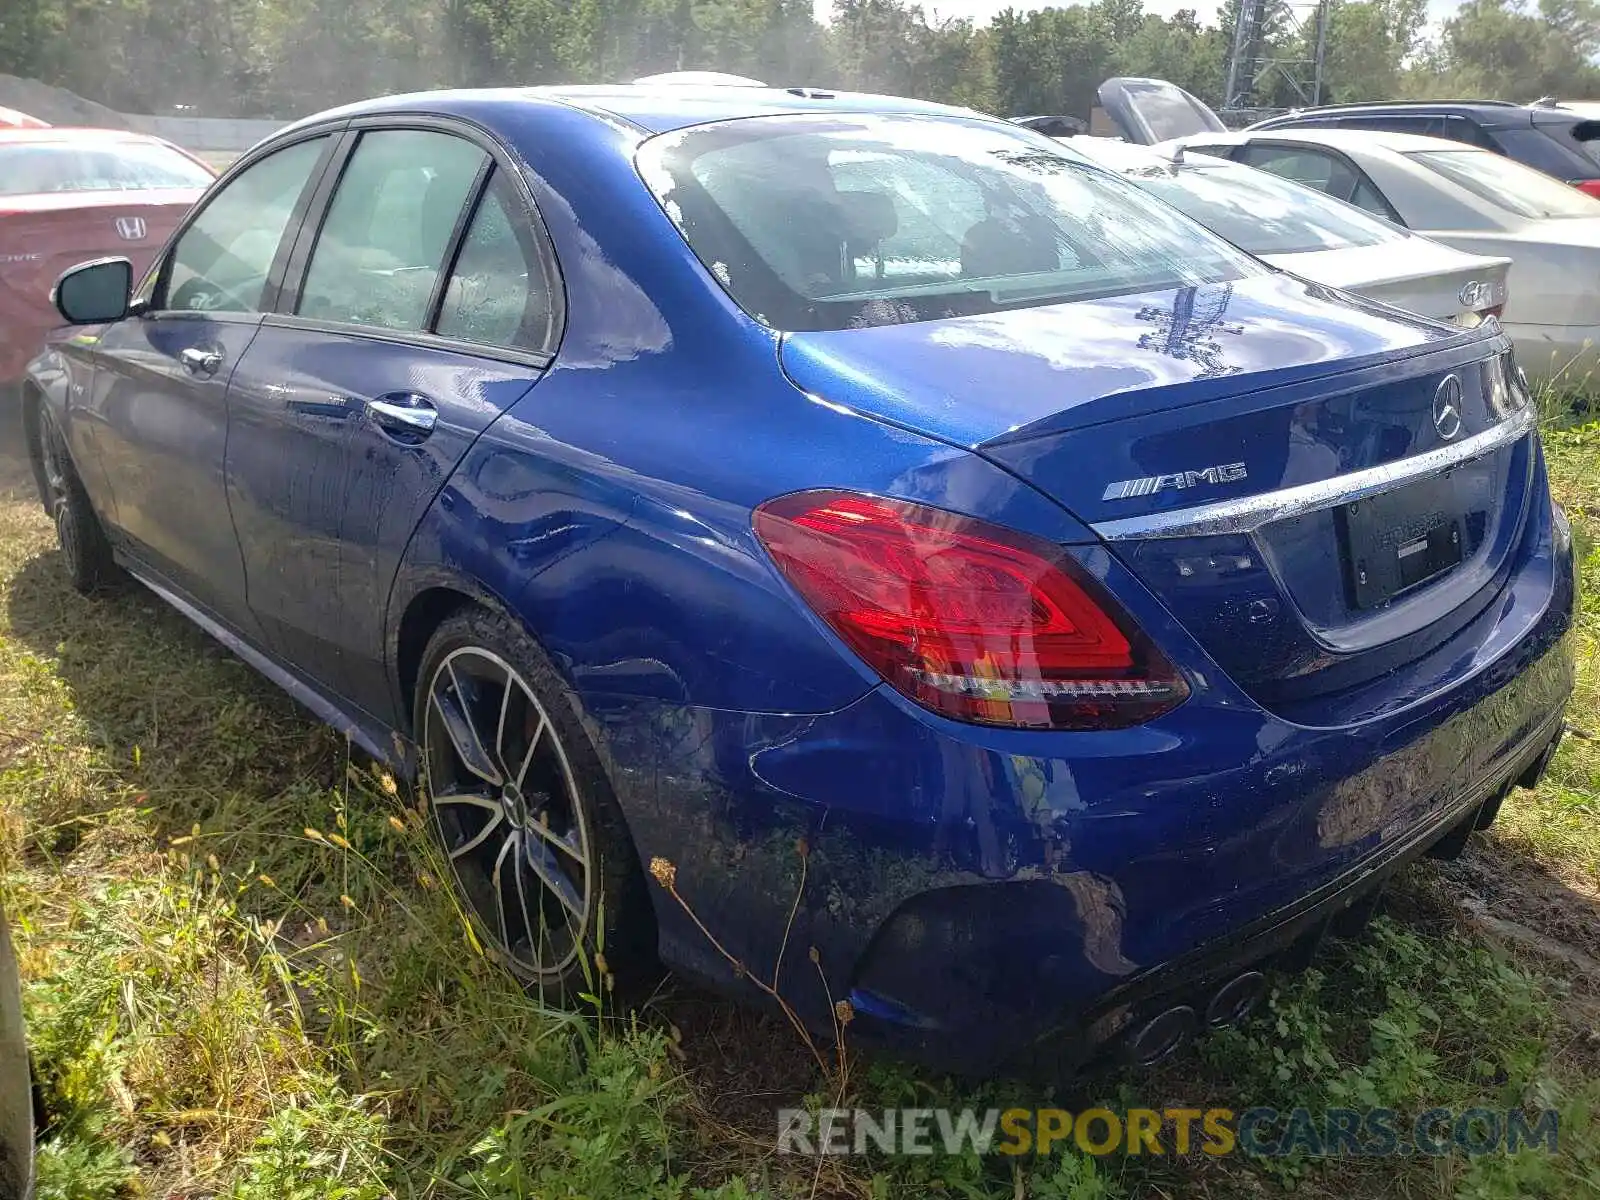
(1147, 111)
(43, 236)
(1416, 275)
(1225, 399)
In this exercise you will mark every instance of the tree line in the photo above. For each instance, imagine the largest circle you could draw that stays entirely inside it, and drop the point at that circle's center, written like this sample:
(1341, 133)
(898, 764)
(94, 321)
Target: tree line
(285, 58)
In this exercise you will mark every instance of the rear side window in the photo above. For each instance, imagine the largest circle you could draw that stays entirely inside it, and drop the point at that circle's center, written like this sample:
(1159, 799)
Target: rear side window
(500, 292)
(830, 223)
(1260, 212)
(1311, 168)
(1320, 170)
(222, 261)
(382, 246)
(1398, 123)
(1551, 149)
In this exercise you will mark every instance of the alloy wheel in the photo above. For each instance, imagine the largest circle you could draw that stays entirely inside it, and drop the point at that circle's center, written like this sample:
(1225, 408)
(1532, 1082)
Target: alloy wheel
(508, 811)
(57, 486)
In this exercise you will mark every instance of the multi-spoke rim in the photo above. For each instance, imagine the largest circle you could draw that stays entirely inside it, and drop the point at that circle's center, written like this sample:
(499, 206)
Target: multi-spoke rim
(508, 810)
(55, 479)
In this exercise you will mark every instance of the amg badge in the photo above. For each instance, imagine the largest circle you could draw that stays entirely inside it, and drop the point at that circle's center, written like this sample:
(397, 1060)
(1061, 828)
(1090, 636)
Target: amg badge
(1127, 489)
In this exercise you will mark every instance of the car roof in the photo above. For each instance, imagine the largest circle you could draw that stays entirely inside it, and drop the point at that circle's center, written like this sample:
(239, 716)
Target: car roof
(1487, 108)
(655, 107)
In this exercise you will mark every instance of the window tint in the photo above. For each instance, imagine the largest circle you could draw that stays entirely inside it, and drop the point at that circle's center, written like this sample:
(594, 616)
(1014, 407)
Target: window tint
(109, 167)
(382, 246)
(1460, 129)
(1397, 123)
(1510, 185)
(1312, 168)
(831, 223)
(221, 262)
(1367, 197)
(1260, 212)
(499, 292)
(1548, 148)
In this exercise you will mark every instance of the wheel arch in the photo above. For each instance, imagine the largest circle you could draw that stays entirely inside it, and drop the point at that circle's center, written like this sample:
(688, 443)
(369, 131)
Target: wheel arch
(32, 399)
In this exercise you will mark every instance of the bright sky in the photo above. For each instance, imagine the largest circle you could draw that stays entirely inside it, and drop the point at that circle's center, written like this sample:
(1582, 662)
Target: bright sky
(982, 11)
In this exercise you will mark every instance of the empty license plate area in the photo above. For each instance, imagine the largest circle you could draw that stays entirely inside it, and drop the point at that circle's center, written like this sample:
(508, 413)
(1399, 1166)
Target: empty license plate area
(1402, 539)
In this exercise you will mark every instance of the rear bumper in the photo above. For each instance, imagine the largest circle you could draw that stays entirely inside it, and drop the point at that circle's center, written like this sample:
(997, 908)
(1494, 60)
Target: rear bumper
(983, 896)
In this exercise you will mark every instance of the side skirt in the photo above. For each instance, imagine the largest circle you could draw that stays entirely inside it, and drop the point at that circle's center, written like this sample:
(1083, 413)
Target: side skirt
(384, 744)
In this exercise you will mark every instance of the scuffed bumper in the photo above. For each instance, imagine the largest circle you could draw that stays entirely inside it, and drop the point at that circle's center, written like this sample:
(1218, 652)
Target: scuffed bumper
(982, 894)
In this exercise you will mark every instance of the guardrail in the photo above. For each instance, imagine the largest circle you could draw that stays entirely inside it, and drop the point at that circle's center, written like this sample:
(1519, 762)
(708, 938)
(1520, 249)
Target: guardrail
(206, 134)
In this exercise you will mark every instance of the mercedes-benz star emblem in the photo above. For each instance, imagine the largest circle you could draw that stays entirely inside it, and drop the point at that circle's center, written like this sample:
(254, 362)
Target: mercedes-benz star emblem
(131, 229)
(1447, 407)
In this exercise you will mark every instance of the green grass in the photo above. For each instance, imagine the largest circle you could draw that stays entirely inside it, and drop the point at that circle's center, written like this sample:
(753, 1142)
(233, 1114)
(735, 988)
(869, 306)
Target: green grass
(243, 978)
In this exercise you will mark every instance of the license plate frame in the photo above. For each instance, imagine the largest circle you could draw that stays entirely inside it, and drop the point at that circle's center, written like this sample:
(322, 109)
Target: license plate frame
(1400, 540)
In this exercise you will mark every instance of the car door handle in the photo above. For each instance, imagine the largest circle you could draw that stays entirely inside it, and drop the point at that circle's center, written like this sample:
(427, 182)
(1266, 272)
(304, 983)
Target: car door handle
(200, 362)
(409, 417)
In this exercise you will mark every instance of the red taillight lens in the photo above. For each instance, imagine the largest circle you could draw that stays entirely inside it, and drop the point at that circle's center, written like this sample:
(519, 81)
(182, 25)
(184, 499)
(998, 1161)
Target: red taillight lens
(971, 620)
(1588, 186)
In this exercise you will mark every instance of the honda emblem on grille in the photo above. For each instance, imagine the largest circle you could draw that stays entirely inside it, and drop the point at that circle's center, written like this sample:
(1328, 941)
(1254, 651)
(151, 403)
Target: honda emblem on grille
(1447, 407)
(131, 229)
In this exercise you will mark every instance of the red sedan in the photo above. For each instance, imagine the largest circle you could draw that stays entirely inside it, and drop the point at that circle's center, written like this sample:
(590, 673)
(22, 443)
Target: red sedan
(67, 195)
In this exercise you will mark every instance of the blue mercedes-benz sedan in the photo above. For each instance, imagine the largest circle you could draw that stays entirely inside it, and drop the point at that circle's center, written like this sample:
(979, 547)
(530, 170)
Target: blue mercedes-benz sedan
(855, 530)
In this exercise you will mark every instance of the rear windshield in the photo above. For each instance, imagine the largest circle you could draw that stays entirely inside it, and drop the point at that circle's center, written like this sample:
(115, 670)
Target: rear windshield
(1510, 185)
(832, 223)
(105, 167)
(1262, 213)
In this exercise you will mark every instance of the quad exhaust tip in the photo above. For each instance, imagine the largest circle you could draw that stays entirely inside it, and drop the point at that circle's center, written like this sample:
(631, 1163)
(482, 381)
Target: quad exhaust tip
(1164, 1034)
(1236, 999)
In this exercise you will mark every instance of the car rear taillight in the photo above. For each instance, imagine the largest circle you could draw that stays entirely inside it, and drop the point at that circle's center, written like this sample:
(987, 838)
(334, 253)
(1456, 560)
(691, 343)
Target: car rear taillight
(1588, 186)
(970, 620)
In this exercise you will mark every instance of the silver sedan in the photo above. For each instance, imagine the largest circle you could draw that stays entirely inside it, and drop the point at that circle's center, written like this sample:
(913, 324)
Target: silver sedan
(1311, 235)
(1468, 198)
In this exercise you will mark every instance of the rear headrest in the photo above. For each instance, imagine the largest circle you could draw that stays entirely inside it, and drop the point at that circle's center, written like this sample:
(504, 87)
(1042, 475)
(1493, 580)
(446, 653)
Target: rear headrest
(869, 217)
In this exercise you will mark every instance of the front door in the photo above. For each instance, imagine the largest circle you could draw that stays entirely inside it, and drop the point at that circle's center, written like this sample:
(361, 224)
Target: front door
(157, 416)
(423, 316)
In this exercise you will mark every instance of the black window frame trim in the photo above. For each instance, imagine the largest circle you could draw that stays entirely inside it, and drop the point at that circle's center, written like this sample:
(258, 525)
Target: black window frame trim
(499, 158)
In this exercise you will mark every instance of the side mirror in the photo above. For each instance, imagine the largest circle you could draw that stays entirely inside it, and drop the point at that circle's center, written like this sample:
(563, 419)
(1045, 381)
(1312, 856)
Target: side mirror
(95, 293)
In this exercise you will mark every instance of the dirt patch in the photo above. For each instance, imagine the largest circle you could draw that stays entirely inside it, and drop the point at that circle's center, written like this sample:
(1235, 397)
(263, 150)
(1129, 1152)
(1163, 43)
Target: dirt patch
(56, 105)
(1508, 885)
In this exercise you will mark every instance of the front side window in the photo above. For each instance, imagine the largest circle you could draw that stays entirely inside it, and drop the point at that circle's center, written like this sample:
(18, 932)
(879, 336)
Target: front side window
(1506, 184)
(48, 167)
(829, 223)
(499, 291)
(1261, 213)
(380, 251)
(222, 261)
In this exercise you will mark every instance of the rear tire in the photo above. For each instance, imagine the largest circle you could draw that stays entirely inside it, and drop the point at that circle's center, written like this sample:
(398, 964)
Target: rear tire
(84, 546)
(537, 845)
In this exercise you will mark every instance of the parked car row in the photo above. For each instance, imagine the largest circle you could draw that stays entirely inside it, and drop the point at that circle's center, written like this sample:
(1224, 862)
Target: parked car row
(1455, 173)
(671, 476)
(67, 195)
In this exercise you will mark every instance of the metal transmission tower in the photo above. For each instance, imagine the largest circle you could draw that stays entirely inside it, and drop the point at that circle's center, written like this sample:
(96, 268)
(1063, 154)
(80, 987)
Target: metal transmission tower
(1295, 55)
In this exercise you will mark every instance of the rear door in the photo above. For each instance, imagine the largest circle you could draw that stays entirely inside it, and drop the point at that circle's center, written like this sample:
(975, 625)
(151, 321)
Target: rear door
(156, 416)
(425, 307)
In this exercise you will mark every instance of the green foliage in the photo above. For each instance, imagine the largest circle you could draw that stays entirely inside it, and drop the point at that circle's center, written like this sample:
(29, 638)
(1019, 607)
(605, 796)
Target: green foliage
(284, 58)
